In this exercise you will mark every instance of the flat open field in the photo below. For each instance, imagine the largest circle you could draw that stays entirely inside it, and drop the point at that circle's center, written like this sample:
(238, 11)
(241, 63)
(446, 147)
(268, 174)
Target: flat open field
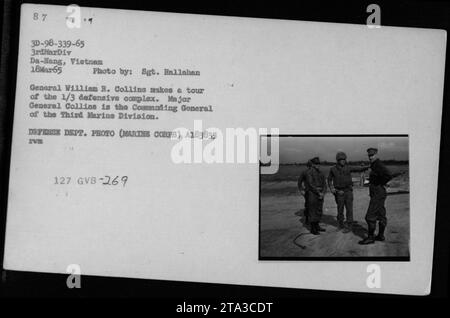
(284, 234)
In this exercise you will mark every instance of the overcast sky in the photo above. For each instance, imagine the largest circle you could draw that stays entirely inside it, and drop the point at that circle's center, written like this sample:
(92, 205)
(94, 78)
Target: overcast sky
(300, 149)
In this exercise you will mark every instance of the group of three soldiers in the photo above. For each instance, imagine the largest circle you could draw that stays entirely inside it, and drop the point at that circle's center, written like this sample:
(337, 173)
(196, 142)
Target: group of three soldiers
(312, 186)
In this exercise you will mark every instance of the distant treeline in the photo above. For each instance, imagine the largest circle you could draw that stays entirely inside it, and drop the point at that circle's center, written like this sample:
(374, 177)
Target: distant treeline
(391, 162)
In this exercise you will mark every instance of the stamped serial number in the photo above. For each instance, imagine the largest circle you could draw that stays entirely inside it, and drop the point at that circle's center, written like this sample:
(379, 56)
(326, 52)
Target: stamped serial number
(105, 180)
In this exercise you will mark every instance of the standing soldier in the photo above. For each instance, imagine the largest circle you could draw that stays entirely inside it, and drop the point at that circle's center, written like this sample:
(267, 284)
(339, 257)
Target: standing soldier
(301, 188)
(315, 190)
(378, 178)
(341, 185)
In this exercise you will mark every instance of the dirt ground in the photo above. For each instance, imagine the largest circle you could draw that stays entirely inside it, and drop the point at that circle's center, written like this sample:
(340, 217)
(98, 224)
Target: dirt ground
(284, 234)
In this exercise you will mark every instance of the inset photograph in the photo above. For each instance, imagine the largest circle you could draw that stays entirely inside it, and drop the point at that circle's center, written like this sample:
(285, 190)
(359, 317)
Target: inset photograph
(336, 197)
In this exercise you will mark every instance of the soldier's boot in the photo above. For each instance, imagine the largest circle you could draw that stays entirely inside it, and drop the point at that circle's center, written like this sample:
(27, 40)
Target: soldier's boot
(314, 228)
(319, 228)
(370, 239)
(380, 237)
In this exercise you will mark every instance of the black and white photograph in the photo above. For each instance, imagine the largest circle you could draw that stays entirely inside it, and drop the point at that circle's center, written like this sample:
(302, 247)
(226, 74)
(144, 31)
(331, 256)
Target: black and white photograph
(337, 197)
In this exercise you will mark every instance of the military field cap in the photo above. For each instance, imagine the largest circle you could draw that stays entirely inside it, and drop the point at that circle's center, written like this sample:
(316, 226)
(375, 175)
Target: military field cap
(372, 151)
(315, 160)
(341, 155)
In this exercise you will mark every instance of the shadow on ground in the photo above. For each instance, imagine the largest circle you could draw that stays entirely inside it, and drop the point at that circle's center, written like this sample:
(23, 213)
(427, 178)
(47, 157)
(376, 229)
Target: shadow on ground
(330, 220)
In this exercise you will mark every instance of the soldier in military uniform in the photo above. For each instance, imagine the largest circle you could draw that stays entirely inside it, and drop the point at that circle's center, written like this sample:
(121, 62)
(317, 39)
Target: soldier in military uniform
(341, 185)
(301, 188)
(315, 190)
(378, 178)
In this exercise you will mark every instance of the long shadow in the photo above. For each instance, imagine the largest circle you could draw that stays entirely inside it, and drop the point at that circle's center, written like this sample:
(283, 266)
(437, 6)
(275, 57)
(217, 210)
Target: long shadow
(329, 220)
(326, 219)
(357, 229)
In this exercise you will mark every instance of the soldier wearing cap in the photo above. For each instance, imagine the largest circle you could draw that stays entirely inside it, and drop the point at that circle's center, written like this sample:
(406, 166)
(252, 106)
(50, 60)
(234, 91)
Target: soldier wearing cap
(301, 188)
(315, 190)
(341, 185)
(378, 178)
